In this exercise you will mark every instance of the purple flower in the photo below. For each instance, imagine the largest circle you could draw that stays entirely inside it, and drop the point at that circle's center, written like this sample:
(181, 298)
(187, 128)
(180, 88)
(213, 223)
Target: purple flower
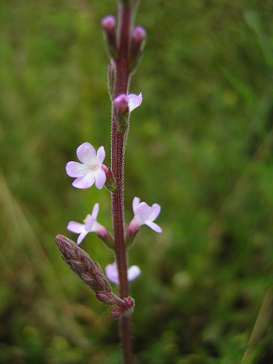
(90, 169)
(90, 225)
(111, 271)
(144, 215)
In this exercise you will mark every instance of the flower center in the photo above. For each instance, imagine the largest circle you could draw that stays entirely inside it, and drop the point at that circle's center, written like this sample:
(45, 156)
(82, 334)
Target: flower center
(95, 166)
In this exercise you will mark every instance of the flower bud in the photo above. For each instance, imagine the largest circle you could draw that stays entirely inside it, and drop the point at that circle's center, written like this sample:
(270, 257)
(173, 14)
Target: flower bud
(121, 112)
(106, 298)
(137, 44)
(110, 183)
(130, 304)
(108, 24)
(111, 77)
(130, 237)
(125, 307)
(116, 313)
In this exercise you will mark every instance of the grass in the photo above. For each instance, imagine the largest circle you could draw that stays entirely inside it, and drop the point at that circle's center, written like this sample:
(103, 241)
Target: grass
(200, 146)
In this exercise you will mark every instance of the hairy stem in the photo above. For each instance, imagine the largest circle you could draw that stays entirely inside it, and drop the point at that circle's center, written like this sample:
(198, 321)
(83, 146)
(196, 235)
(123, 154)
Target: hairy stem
(117, 162)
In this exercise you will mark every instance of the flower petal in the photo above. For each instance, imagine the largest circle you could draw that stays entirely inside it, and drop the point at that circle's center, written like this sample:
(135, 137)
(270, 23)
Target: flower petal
(136, 202)
(100, 179)
(112, 273)
(142, 212)
(89, 222)
(85, 181)
(155, 211)
(75, 227)
(101, 154)
(81, 237)
(154, 226)
(134, 101)
(133, 272)
(86, 153)
(75, 169)
(95, 211)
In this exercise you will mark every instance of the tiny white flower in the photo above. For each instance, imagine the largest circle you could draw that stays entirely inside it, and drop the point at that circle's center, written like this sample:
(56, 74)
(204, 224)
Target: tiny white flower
(90, 225)
(89, 171)
(144, 215)
(111, 271)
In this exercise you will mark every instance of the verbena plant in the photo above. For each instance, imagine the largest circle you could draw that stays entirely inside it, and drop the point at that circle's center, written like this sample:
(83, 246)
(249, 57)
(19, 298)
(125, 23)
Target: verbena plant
(124, 44)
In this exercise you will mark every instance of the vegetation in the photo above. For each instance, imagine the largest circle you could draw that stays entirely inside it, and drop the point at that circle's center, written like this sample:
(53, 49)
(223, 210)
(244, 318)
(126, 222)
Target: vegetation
(200, 146)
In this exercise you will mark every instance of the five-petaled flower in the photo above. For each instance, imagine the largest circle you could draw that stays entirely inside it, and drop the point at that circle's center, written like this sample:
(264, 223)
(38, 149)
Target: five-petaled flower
(144, 214)
(90, 225)
(111, 271)
(90, 169)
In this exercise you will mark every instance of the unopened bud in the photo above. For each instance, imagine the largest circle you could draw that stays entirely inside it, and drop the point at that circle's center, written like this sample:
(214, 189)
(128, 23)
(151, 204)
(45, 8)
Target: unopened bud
(116, 313)
(125, 307)
(111, 77)
(129, 302)
(108, 24)
(137, 44)
(106, 298)
(130, 236)
(121, 112)
(110, 183)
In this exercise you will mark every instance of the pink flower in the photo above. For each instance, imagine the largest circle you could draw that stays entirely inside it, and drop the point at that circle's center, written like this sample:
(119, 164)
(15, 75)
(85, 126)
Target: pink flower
(123, 103)
(144, 215)
(111, 271)
(90, 225)
(90, 169)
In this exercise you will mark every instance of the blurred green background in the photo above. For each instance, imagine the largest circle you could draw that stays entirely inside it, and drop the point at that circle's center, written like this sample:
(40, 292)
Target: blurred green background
(200, 146)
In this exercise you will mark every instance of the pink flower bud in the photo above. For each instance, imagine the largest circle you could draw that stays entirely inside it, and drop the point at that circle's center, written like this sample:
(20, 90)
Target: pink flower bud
(137, 44)
(116, 313)
(138, 35)
(108, 24)
(110, 183)
(123, 105)
(125, 307)
(111, 77)
(121, 112)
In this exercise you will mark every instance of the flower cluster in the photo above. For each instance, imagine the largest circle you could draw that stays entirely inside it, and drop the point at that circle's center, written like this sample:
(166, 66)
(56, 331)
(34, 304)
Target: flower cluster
(90, 171)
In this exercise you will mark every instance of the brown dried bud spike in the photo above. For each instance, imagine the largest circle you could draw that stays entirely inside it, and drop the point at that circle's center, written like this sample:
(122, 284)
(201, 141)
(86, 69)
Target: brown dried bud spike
(81, 264)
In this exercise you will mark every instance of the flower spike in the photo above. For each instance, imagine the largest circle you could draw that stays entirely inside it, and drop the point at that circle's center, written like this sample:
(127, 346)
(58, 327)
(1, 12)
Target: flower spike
(111, 271)
(91, 225)
(89, 171)
(90, 273)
